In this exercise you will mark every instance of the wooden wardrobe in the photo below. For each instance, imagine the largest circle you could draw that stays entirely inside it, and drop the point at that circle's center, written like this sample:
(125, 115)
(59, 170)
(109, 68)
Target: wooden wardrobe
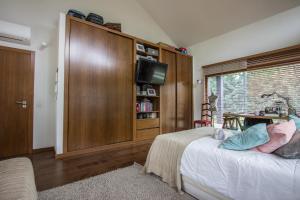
(98, 87)
(100, 90)
(176, 93)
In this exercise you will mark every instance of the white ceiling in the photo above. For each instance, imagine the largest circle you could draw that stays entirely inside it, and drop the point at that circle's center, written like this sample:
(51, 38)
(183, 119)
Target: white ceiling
(188, 22)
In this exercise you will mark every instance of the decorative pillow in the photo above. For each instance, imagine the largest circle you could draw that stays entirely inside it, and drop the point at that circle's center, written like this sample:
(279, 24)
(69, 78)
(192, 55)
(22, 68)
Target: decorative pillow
(296, 119)
(254, 136)
(219, 134)
(292, 149)
(279, 134)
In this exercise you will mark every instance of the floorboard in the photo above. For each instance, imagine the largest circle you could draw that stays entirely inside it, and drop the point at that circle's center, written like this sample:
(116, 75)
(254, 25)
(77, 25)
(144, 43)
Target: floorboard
(50, 172)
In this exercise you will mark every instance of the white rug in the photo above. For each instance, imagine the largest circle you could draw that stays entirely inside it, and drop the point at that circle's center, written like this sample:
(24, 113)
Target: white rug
(122, 184)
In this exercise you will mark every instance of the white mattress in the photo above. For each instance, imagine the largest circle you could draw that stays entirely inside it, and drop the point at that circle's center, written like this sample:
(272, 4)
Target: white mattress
(246, 175)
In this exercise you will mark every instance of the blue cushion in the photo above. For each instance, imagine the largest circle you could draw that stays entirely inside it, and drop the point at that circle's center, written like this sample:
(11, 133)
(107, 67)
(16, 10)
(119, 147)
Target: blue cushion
(252, 137)
(296, 120)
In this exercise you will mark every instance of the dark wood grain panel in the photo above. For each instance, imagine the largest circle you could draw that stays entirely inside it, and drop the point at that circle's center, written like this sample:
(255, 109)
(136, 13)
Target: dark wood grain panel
(168, 93)
(99, 87)
(184, 92)
(119, 88)
(16, 84)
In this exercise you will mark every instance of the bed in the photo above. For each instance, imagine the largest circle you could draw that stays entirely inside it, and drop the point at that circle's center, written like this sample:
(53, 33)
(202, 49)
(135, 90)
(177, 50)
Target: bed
(208, 172)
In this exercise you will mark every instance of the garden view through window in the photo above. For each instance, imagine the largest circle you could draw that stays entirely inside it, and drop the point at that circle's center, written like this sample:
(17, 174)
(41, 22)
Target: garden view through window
(241, 92)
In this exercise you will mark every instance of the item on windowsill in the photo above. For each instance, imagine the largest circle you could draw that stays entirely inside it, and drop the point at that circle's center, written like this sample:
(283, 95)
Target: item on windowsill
(151, 92)
(114, 26)
(94, 18)
(76, 13)
(140, 47)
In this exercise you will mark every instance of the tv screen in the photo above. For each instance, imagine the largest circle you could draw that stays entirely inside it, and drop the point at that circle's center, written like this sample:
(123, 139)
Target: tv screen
(151, 72)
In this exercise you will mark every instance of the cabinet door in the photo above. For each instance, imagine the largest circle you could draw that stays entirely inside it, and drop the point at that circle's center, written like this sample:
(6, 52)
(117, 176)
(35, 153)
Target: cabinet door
(184, 92)
(99, 89)
(119, 89)
(168, 94)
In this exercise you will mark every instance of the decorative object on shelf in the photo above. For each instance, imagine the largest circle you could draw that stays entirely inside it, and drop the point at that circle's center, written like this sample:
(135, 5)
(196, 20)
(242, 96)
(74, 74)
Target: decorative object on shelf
(140, 47)
(138, 108)
(151, 92)
(138, 90)
(152, 52)
(291, 109)
(153, 115)
(114, 26)
(94, 18)
(76, 13)
(144, 93)
(151, 58)
(182, 50)
(145, 105)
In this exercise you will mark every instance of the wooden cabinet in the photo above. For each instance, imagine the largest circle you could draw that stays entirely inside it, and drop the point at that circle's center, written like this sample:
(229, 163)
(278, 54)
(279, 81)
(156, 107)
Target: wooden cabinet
(99, 87)
(100, 97)
(176, 95)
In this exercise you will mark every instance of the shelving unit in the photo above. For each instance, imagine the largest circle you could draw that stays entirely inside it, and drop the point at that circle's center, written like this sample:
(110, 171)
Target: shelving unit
(148, 122)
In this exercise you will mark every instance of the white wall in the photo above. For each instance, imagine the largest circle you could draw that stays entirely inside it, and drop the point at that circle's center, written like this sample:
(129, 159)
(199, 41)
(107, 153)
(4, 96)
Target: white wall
(279, 31)
(43, 17)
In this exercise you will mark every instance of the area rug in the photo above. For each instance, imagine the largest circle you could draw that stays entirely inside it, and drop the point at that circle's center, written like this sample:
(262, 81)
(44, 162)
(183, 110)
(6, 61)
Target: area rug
(122, 184)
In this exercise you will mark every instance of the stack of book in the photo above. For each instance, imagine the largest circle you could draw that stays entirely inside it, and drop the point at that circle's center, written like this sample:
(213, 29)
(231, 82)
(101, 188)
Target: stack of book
(145, 106)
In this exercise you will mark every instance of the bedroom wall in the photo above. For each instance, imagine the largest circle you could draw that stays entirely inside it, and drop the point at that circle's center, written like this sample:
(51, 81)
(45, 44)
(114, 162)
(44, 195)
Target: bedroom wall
(43, 17)
(279, 31)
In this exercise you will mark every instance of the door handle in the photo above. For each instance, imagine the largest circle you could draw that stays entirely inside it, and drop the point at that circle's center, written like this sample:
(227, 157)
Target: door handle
(23, 103)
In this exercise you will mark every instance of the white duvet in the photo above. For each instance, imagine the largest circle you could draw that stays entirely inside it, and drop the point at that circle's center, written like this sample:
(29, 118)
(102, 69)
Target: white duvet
(241, 175)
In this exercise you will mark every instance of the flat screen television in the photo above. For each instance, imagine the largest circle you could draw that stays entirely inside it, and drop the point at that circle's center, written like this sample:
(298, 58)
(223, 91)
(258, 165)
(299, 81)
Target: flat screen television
(151, 72)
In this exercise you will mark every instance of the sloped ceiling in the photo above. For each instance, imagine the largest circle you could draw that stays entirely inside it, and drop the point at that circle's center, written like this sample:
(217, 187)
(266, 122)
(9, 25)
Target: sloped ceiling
(188, 22)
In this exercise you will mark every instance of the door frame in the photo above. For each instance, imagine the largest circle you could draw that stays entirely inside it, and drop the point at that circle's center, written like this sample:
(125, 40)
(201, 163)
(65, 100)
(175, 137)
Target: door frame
(30, 96)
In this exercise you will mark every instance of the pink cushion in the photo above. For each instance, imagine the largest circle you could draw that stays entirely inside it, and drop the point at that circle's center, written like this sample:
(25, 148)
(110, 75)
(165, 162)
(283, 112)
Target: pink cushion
(280, 134)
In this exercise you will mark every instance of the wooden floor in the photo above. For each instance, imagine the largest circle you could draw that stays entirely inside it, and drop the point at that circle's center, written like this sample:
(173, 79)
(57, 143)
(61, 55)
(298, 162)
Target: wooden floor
(50, 172)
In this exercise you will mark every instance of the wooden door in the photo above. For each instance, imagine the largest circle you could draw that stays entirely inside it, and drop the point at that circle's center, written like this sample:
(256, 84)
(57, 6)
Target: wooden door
(99, 87)
(168, 94)
(16, 101)
(184, 92)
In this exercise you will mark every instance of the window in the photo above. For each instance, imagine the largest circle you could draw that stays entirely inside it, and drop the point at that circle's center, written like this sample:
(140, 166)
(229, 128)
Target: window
(241, 92)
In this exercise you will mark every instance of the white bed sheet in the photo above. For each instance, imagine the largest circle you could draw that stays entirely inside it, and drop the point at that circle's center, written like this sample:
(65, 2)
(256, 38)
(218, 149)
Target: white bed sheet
(241, 175)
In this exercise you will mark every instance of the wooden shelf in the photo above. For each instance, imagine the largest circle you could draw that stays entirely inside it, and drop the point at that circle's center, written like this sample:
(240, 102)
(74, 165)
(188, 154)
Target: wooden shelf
(147, 112)
(147, 96)
(146, 54)
(147, 119)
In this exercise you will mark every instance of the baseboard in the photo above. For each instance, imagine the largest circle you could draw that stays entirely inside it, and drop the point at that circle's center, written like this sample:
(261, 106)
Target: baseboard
(95, 150)
(34, 151)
